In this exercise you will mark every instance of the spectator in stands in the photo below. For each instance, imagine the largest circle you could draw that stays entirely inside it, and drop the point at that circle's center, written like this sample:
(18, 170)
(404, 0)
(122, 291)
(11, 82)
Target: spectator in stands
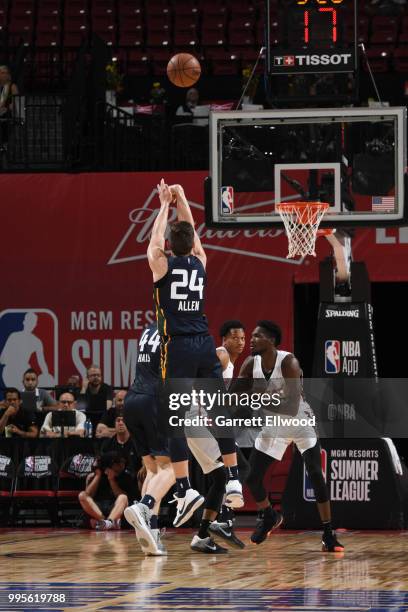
(106, 428)
(15, 421)
(41, 400)
(123, 443)
(192, 97)
(8, 89)
(109, 488)
(66, 402)
(73, 385)
(96, 395)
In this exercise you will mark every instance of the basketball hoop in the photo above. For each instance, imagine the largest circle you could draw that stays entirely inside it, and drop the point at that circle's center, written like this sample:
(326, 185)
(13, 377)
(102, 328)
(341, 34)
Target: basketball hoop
(301, 220)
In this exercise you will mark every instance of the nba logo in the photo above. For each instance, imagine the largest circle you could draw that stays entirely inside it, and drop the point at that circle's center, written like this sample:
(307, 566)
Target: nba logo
(227, 200)
(28, 339)
(332, 356)
(308, 491)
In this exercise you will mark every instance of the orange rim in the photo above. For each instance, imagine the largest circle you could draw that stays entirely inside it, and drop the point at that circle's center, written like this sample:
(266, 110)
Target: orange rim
(302, 209)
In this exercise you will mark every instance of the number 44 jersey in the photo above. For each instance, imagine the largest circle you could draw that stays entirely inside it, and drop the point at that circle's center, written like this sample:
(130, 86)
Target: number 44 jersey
(148, 362)
(179, 298)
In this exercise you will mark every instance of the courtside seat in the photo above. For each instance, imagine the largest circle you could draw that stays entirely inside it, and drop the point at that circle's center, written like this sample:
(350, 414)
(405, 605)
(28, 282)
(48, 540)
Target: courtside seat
(35, 486)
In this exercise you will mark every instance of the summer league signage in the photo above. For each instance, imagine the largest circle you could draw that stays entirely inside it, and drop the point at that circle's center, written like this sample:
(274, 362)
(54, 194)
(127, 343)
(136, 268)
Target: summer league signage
(362, 483)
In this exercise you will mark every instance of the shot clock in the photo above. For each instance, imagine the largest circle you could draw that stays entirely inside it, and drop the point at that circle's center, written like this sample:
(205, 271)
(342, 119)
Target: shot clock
(315, 36)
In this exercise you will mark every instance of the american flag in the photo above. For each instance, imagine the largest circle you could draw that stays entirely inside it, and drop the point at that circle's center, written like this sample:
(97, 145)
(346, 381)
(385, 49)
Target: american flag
(380, 203)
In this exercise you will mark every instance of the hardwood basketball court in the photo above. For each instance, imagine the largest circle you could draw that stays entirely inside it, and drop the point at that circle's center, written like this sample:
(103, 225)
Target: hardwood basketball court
(107, 571)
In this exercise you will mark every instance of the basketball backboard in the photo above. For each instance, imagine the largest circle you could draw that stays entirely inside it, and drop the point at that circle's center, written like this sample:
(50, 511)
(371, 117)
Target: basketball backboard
(352, 158)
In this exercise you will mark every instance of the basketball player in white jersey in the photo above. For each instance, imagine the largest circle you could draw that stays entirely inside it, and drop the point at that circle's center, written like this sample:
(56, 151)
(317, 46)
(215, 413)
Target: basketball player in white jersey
(279, 371)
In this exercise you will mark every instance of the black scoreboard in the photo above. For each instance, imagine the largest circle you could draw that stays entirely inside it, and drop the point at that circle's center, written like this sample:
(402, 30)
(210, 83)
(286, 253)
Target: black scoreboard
(311, 36)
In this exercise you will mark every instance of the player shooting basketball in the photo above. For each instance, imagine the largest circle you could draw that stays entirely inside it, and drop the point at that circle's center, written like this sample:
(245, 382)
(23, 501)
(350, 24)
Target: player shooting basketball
(187, 352)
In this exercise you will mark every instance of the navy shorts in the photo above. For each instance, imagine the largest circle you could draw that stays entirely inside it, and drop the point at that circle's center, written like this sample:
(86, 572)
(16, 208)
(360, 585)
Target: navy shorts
(189, 357)
(140, 412)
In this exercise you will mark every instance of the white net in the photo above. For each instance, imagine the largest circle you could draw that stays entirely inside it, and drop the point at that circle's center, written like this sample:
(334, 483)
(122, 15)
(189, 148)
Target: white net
(301, 220)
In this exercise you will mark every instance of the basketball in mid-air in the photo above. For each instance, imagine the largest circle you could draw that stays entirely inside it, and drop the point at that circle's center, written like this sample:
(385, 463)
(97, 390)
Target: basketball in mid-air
(183, 70)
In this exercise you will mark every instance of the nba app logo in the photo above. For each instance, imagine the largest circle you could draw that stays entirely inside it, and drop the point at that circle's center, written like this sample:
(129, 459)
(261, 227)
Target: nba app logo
(28, 339)
(308, 491)
(332, 356)
(227, 200)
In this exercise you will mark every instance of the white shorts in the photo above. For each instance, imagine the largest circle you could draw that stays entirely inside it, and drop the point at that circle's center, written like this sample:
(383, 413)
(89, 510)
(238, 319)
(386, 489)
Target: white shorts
(206, 452)
(203, 446)
(273, 441)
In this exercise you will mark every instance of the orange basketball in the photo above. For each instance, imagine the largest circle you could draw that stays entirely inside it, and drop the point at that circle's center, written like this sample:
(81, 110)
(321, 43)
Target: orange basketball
(183, 70)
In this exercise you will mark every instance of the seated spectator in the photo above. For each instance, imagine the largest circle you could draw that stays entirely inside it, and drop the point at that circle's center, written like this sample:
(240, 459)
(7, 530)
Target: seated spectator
(186, 109)
(15, 421)
(96, 396)
(109, 488)
(34, 398)
(73, 385)
(66, 402)
(106, 428)
(122, 443)
(8, 89)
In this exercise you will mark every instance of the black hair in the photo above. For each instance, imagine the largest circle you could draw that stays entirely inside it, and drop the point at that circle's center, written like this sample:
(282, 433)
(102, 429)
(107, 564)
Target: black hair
(108, 459)
(181, 238)
(30, 371)
(228, 325)
(12, 390)
(272, 330)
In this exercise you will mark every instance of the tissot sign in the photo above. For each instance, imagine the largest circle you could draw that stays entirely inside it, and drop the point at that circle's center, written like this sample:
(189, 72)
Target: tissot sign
(301, 62)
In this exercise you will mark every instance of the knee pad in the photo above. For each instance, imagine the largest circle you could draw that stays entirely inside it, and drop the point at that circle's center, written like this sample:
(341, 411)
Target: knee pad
(213, 499)
(313, 465)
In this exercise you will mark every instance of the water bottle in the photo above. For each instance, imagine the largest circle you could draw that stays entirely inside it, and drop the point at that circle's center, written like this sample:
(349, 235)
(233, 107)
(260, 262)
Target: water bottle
(88, 428)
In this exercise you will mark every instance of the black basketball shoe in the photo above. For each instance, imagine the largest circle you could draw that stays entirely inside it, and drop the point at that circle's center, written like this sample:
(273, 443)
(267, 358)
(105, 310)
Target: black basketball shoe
(226, 532)
(266, 522)
(330, 543)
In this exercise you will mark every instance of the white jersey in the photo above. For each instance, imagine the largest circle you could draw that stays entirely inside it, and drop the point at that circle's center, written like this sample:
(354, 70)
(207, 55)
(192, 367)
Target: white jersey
(273, 441)
(228, 373)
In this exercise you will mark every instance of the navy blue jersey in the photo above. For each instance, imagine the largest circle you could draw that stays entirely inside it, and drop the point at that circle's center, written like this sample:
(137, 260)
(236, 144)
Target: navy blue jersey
(179, 298)
(148, 362)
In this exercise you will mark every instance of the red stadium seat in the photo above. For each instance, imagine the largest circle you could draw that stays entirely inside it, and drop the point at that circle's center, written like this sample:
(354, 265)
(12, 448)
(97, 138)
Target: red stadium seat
(186, 22)
(213, 38)
(158, 39)
(244, 38)
(130, 7)
(379, 59)
(49, 23)
(131, 23)
(159, 60)
(241, 23)
(109, 36)
(187, 39)
(223, 62)
(76, 7)
(75, 39)
(76, 23)
(104, 23)
(213, 22)
(138, 63)
(49, 7)
(22, 7)
(157, 7)
(185, 7)
(48, 39)
(131, 39)
(213, 7)
(240, 8)
(401, 60)
(158, 22)
(103, 7)
(35, 485)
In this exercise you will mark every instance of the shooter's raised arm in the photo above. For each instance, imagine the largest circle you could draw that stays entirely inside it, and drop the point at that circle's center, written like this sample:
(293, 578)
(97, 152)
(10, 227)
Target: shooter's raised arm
(155, 251)
(184, 214)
